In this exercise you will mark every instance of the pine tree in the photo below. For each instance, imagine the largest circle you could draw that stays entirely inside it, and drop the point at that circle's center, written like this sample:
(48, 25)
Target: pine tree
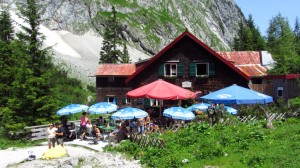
(248, 37)
(125, 55)
(281, 44)
(6, 28)
(297, 34)
(109, 52)
(238, 40)
(257, 41)
(31, 102)
(7, 59)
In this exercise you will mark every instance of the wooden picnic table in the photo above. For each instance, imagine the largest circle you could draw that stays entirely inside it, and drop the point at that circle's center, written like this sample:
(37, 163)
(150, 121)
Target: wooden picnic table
(105, 128)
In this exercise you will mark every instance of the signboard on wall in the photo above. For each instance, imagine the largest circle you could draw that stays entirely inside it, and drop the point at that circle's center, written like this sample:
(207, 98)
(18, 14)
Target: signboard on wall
(186, 84)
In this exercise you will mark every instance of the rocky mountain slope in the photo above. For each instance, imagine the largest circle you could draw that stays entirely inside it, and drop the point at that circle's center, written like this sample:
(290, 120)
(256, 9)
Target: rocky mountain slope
(74, 28)
(150, 24)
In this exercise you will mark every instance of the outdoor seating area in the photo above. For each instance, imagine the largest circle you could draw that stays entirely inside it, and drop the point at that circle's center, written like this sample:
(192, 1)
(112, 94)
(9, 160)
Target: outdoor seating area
(137, 121)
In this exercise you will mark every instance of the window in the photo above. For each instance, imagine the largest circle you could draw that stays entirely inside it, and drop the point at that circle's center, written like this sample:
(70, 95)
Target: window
(154, 102)
(128, 100)
(171, 69)
(111, 79)
(139, 101)
(110, 99)
(202, 69)
(279, 91)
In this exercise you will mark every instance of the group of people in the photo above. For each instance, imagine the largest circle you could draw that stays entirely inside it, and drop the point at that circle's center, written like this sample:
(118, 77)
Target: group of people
(59, 131)
(216, 113)
(55, 135)
(143, 124)
(87, 128)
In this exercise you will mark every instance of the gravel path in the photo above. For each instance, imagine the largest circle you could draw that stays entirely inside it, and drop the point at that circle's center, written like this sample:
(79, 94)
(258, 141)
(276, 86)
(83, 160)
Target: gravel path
(83, 155)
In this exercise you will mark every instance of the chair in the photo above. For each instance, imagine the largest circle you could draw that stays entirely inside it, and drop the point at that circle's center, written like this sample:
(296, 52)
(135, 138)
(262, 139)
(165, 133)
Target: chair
(74, 129)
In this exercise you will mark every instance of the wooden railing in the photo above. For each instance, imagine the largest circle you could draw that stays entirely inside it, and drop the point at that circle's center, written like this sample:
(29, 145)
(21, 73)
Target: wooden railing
(146, 141)
(39, 132)
(251, 118)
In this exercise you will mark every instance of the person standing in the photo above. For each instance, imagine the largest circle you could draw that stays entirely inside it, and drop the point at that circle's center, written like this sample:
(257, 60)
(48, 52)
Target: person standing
(141, 125)
(51, 136)
(148, 121)
(83, 122)
(60, 133)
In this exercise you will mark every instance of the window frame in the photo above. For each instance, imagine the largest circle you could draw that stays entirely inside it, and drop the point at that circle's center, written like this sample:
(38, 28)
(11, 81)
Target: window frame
(207, 69)
(111, 79)
(279, 89)
(170, 70)
(154, 102)
(108, 97)
(128, 100)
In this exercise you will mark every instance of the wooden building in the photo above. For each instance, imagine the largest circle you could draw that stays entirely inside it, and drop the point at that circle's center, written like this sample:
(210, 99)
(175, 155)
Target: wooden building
(284, 86)
(186, 62)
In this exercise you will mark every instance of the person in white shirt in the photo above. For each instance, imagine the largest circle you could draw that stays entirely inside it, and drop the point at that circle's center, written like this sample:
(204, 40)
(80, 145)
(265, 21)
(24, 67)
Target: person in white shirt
(51, 136)
(88, 129)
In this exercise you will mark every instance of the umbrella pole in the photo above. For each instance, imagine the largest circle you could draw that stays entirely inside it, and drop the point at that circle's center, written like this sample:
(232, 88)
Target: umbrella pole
(160, 107)
(160, 111)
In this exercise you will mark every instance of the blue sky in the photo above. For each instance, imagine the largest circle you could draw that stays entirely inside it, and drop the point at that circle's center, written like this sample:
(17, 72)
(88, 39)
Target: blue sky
(263, 10)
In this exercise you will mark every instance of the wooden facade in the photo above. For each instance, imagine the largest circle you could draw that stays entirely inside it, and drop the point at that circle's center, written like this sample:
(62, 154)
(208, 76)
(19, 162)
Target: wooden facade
(184, 61)
(185, 55)
(285, 86)
(189, 63)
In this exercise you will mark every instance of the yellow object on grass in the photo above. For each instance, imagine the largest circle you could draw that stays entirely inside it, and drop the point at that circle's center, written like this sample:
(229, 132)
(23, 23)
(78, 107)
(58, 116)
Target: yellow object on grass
(55, 152)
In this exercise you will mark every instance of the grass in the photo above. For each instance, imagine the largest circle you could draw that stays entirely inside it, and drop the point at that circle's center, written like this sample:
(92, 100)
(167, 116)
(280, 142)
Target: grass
(241, 145)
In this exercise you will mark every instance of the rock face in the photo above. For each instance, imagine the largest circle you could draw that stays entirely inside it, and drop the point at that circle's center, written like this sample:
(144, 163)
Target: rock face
(151, 25)
(147, 25)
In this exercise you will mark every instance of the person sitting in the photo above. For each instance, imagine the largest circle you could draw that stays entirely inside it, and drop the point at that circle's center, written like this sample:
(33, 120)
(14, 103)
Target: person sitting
(88, 129)
(101, 121)
(113, 136)
(72, 131)
(97, 133)
(123, 133)
(154, 127)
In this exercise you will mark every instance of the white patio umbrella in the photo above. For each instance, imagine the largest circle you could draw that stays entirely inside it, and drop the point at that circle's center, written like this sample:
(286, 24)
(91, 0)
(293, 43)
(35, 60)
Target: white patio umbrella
(102, 108)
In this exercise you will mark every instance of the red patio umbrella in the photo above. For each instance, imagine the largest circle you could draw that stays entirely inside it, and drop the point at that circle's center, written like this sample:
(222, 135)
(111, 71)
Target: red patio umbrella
(161, 90)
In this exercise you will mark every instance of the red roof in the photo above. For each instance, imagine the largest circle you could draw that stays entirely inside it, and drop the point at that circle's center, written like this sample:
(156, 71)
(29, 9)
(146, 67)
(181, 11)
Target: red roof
(186, 33)
(249, 62)
(242, 57)
(115, 70)
(286, 76)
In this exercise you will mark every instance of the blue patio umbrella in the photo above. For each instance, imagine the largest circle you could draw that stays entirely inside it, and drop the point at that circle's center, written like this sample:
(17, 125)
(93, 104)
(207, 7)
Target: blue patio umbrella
(199, 106)
(102, 108)
(179, 113)
(129, 113)
(72, 109)
(237, 95)
(231, 110)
